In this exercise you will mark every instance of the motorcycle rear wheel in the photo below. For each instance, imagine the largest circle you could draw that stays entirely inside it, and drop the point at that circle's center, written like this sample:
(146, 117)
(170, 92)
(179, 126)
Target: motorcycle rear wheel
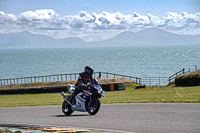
(93, 106)
(66, 108)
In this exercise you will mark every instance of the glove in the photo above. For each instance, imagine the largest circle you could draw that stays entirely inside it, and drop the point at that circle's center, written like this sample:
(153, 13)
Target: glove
(89, 85)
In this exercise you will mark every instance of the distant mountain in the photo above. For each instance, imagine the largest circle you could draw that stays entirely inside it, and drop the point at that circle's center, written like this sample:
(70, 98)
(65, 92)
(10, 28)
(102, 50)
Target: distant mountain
(29, 40)
(146, 37)
(150, 37)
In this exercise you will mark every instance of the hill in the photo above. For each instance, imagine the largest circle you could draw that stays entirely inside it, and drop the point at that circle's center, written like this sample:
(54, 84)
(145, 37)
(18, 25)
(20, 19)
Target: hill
(146, 37)
(150, 37)
(29, 40)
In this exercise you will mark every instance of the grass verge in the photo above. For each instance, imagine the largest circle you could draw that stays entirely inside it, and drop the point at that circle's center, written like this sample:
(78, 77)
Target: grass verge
(154, 94)
(170, 94)
(8, 131)
(189, 79)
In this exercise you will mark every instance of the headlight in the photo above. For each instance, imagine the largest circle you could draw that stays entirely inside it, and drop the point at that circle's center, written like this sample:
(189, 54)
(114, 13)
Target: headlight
(100, 92)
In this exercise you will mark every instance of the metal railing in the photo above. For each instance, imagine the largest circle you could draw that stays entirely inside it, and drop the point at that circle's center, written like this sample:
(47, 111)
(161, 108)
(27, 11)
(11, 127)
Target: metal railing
(61, 77)
(154, 81)
(112, 75)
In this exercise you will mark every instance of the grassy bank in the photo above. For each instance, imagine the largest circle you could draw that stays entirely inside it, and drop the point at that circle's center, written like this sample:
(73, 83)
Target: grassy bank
(58, 83)
(189, 79)
(149, 94)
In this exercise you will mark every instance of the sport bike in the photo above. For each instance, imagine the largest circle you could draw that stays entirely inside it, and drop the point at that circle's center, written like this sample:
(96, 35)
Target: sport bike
(87, 100)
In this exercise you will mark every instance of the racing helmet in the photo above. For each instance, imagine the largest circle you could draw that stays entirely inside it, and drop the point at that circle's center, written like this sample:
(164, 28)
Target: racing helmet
(89, 70)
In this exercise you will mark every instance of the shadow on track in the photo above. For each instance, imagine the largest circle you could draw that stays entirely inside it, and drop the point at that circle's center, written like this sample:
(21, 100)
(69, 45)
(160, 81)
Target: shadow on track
(70, 115)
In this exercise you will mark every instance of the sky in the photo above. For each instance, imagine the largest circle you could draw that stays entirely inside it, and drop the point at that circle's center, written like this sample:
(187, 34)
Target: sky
(96, 20)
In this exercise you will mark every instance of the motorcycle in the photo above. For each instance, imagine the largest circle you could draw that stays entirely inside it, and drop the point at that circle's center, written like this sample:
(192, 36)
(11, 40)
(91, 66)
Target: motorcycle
(86, 100)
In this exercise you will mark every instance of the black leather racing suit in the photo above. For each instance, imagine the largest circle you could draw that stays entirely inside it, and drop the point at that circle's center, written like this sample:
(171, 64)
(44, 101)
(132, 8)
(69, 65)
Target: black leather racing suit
(82, 82)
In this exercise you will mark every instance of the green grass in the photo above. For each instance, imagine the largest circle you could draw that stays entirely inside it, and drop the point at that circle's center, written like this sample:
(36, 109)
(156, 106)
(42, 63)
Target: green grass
(194, 74)
(154, 94)
(8, 131)
(149, 94)
(30, 99)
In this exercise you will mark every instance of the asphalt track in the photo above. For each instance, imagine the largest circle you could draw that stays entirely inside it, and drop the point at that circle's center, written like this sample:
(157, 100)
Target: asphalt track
(125, 117)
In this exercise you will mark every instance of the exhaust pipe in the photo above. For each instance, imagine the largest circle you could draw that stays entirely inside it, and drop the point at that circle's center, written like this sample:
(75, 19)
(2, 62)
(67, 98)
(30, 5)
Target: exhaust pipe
(65, 97)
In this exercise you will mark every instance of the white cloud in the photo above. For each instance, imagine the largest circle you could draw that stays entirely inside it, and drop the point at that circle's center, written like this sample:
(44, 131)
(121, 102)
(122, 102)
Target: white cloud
(95, 27)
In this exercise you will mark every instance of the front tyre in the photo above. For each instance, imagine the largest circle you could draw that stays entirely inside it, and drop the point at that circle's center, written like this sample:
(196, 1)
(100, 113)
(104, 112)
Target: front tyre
(66, 108)
(93, 105)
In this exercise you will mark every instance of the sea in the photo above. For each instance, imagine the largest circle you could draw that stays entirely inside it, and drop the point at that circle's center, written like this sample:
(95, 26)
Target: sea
(137, 61)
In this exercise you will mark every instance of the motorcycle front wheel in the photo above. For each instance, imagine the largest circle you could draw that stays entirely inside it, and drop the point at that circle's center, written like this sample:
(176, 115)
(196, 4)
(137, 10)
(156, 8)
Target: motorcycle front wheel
(66, 108)
(93, 106)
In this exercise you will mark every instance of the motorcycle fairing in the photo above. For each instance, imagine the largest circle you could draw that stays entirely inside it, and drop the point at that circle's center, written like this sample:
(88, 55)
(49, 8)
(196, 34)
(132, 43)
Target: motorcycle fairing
(71, 88)
(80, 103)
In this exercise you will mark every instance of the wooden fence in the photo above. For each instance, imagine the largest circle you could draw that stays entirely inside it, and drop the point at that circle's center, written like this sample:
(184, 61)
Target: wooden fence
(148, 81)
(172, 78)
(183, 71)
(62, 77)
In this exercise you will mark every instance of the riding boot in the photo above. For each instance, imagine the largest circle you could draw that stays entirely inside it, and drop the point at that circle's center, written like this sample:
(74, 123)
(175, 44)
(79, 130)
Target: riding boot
(72, 99)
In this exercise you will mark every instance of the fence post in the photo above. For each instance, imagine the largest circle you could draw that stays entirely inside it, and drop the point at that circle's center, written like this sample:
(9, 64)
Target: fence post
(159, 81)
(99, 75)
(61, 78)
(150, 81)
(183, 70)
(57, 77)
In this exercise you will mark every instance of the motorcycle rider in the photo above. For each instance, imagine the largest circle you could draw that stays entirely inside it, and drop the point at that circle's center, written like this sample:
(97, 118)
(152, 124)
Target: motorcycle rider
(82, 81)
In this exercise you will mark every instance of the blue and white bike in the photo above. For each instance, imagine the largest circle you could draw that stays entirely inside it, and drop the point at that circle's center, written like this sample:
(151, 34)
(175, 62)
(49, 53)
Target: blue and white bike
(87, 100)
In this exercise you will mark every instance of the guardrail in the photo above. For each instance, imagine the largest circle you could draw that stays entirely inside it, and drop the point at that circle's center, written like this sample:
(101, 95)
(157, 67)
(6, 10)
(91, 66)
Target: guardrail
(62, 77)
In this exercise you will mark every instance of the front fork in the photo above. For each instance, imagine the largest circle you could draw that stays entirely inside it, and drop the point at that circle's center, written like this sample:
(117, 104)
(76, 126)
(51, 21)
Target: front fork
(91, 103)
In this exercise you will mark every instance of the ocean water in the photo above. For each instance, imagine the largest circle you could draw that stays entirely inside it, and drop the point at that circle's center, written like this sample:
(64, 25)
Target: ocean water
(140, 61)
